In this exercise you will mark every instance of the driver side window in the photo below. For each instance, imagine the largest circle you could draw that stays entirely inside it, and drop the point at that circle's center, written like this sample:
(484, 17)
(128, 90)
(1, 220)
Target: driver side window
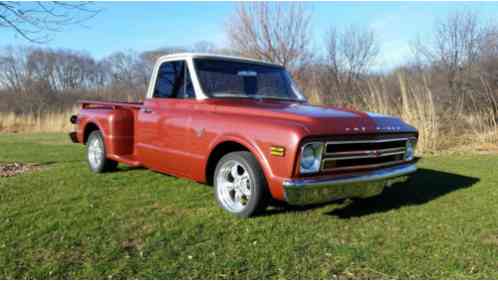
(173, 81)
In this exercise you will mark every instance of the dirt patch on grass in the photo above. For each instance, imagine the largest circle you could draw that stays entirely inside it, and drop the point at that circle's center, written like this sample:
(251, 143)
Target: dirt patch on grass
(14, 169)
(491, 239)
(488, 148)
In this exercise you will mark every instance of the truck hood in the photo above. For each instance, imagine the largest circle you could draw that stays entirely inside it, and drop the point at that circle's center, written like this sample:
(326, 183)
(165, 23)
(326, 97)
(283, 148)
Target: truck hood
(318, 120)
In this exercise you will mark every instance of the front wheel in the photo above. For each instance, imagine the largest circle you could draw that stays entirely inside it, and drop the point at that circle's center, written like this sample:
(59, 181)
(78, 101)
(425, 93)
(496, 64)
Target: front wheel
(96, 154)
(240, 185)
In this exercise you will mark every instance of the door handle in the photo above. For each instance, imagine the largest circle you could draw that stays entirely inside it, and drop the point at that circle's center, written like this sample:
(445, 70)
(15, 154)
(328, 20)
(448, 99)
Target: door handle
(147, 110)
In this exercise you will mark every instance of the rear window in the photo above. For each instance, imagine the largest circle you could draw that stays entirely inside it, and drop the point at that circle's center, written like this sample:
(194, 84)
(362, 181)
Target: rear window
(173, 81)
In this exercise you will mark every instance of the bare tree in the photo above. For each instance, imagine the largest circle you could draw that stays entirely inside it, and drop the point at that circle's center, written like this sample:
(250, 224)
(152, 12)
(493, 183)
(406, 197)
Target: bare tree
(204, 47)
(121, 68)
(350, 55)
(13, 69)
(36, 21)
(15, 75)
(276, 32)
(455, 47)
(489, 56)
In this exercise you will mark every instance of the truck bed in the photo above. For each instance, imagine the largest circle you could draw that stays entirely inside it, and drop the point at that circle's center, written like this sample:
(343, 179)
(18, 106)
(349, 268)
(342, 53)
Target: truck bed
(117, 122)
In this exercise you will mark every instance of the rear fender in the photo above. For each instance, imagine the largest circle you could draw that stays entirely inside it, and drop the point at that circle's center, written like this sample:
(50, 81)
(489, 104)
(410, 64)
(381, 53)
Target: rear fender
(117, 127)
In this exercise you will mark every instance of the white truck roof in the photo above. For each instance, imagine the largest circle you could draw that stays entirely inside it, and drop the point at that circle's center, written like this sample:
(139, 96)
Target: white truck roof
(188, 57)
(209, 55)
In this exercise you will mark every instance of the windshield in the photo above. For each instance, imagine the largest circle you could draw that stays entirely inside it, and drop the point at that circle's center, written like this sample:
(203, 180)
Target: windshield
(234, 79)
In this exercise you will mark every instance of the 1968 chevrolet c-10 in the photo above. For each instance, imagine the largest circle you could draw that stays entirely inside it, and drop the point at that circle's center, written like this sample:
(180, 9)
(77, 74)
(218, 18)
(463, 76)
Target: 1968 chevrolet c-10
(243, 126)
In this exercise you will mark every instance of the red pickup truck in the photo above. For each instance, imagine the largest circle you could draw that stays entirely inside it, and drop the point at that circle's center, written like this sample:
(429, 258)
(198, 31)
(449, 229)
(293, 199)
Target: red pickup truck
(243, 126)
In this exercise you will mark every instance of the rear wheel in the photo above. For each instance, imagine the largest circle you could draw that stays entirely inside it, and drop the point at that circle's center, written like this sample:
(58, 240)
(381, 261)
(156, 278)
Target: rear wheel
(96, 154)
(240, 185)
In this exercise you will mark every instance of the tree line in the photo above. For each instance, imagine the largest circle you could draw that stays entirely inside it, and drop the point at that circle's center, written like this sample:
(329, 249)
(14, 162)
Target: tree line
(458, 62)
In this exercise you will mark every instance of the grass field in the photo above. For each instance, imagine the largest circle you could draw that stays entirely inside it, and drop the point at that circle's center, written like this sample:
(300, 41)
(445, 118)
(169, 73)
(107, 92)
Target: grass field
(65, 222)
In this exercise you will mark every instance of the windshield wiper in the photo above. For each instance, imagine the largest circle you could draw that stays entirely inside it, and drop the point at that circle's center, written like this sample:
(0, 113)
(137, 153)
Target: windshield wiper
(275, 98)
(229, 95)
(255, 97)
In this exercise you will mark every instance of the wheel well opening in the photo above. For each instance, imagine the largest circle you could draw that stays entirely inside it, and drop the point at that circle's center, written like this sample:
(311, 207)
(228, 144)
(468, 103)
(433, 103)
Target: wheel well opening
(89, 128)
(221, 150)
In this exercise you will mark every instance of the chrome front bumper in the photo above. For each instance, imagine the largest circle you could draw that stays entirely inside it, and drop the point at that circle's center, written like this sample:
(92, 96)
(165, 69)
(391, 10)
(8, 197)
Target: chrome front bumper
(321, 190)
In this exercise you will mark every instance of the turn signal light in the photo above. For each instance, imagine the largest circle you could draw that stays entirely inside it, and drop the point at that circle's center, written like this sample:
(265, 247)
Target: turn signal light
(277, 151)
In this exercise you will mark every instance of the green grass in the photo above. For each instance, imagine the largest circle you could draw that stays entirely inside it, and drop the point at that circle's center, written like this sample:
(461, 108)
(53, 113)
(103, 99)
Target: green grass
(65, 222)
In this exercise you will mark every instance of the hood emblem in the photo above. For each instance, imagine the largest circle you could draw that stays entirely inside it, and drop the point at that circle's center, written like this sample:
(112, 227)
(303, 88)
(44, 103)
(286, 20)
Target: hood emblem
(388, 128)
(356, 129)
(378, 128)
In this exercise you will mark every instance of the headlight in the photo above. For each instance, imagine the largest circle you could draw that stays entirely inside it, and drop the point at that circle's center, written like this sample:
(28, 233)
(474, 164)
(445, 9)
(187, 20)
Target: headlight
(311, 157)
(410, 149)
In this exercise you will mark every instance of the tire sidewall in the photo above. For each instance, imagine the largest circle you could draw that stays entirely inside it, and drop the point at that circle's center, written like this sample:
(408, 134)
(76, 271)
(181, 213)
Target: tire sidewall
(101, 167)
(259, 186)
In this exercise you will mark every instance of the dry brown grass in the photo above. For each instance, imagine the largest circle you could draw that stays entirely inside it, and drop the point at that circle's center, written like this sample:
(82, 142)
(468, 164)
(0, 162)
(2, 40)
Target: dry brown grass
(440, 128)
(419, 110)
(48, 122)
(415, 104)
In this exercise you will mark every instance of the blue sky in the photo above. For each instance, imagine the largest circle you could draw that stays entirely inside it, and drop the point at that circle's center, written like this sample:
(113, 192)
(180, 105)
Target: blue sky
(148, 25)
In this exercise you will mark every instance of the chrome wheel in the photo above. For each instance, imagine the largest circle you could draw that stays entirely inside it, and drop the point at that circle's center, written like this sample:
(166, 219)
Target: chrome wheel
(96, 152)
(234, 186)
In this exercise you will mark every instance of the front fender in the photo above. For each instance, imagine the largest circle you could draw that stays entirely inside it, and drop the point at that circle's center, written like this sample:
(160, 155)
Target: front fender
(274, 181)
(252, 146)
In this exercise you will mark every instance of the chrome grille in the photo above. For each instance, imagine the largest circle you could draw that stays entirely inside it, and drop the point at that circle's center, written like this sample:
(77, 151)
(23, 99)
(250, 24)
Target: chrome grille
(363, 154)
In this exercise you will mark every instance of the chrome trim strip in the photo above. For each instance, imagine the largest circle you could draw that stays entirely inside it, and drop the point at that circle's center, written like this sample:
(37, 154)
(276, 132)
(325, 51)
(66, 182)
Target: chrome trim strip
(315, 190)
(367, 141)
(361, 167)
(366, 155)
(359, 152)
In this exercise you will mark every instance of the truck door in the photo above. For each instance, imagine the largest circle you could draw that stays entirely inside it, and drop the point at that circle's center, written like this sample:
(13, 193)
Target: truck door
(166, 119)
